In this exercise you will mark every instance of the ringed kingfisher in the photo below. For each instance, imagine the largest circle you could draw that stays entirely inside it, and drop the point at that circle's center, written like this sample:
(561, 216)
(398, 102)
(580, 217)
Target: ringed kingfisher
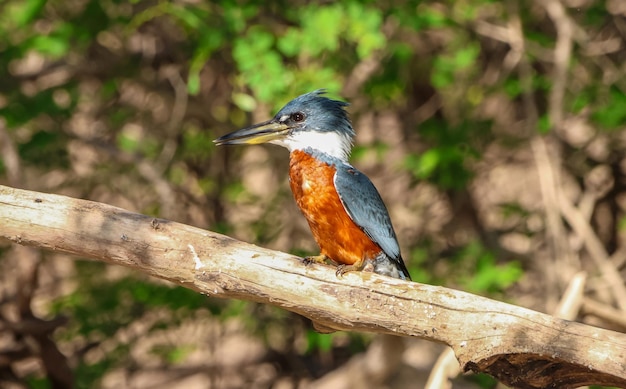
(345, 212)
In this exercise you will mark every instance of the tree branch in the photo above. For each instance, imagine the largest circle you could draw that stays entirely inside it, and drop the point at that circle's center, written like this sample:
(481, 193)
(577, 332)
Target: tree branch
(522, 348)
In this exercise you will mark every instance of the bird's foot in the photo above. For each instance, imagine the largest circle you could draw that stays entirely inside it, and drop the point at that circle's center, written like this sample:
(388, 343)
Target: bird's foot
(316, 259)
(343, 269)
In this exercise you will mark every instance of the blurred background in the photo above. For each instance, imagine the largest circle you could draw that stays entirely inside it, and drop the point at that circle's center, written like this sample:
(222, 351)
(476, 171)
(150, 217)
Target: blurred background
(494, 131)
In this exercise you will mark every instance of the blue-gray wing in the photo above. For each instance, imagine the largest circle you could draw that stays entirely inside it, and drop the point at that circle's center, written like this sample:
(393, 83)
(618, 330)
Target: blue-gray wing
(365, 207)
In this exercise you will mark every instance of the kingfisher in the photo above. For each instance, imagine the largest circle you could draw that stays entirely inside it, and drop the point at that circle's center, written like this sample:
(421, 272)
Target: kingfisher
(345, 212)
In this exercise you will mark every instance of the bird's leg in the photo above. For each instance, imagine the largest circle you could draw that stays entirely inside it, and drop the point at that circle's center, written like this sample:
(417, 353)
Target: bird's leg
(343, 269)
(322, 258)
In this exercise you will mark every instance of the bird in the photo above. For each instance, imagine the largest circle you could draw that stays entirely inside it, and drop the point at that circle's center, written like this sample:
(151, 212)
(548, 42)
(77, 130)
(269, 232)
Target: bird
(345, 212)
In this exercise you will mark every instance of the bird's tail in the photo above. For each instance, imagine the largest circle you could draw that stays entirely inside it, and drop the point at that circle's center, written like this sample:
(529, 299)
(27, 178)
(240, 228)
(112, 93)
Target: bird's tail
(391, 267)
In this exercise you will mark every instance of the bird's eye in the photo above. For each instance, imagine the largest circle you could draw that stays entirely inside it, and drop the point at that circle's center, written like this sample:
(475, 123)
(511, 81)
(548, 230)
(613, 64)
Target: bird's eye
(297, 117)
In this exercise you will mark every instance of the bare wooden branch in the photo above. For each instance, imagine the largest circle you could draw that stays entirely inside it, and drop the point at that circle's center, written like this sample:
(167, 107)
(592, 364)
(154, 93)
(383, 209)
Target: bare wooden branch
(522, 348)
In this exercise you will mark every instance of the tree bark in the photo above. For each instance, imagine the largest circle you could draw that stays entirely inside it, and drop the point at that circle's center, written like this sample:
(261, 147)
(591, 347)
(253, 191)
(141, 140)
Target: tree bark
(520, 347)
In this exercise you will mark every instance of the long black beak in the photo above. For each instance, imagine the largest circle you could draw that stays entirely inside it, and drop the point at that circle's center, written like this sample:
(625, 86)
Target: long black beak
(259, 133)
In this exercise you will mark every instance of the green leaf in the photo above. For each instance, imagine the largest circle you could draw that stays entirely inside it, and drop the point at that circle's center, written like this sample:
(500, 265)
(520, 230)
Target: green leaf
(580, 101)
(512, 87)
(322, 29)
(432, 16)
(193, 82)
(21, 13)
(260, 65)
(612, 114)
(364, 28)
(244, 101)
(127, 142)
(465, 57)
(317, 341)
(290, 43)
(543, 124)
(487, 275)
(51, 45)
(424, 165)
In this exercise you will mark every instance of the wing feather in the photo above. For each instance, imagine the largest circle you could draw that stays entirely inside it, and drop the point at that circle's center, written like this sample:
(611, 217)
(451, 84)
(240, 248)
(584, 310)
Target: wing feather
(365, 207)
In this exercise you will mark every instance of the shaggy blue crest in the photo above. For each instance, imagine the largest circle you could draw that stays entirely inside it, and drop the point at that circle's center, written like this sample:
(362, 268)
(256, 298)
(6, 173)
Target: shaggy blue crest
(321, 113)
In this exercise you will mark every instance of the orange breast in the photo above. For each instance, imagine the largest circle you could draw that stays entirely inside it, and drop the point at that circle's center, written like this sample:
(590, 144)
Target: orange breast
(334, 231)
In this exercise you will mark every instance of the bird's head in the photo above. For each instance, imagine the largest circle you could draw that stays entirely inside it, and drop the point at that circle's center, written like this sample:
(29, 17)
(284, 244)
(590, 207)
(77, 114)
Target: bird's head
(308, 121)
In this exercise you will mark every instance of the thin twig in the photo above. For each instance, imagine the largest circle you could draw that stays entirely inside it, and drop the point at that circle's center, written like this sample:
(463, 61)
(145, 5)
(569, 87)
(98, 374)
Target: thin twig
(446, 368)
(11, 158)
(572, 299)
(596, 250)
(604, 312)
(562, 57)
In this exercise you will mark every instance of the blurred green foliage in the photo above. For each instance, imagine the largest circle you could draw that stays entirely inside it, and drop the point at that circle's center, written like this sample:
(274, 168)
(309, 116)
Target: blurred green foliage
(98, 75)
